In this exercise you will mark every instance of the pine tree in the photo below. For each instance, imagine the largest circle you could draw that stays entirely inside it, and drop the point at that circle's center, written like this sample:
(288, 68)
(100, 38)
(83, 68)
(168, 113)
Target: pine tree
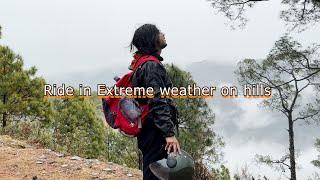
(296, 13)
(196, 120)
(289, 70)
(21, 91)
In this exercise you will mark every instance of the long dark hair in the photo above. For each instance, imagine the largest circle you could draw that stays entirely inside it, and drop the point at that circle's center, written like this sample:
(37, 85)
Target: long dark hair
(145, 39)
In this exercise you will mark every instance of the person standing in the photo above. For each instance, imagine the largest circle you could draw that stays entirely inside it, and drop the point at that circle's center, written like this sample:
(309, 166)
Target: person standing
(157, 137)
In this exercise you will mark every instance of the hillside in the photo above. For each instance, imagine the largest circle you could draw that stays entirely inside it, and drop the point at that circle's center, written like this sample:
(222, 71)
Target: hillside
(20, 160)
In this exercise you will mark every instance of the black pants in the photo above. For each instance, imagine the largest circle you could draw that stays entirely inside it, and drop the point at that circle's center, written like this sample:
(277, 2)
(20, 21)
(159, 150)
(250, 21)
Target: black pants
(151, 142)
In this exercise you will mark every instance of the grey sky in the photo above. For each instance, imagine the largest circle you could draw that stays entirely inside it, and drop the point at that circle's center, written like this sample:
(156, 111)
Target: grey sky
(82, 41)
(77, 35)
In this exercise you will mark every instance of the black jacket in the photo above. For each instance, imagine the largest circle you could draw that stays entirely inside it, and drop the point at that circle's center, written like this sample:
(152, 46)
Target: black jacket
(162, 110)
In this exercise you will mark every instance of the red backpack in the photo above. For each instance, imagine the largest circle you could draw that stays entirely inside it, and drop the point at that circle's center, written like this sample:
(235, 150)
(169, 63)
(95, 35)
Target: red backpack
(124, 113)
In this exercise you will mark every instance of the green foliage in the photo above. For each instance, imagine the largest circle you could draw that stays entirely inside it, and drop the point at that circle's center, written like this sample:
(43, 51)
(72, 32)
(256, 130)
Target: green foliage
(195, 133)
(77, 129)
(121, 149)
(296, 13)
(20, 91)
(221, 174)
(202, 172)
(197, 119)
(317, 162)
(35, 132)
(279, 164)
(314, 176)
(69, 125)
(244, 174)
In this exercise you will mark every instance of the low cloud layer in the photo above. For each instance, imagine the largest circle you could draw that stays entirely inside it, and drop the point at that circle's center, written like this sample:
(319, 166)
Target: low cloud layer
(248, 129)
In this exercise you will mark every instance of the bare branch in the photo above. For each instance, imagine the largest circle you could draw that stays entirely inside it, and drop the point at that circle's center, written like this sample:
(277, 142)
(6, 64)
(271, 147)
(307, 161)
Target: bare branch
(280, 94)
(308, 62)
(268, 160)
(305, 86)
(303, 9)
(245, 2)
(296, 93)
(306, 117)
(299, 79)
(280, 162)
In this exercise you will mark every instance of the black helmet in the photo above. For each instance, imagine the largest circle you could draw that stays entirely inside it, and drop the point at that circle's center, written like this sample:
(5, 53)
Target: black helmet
(180, 166)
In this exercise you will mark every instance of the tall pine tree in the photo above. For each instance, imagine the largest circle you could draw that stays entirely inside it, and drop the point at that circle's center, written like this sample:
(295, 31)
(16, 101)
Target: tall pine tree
(195, 131)
(288, 71)
(21, 92)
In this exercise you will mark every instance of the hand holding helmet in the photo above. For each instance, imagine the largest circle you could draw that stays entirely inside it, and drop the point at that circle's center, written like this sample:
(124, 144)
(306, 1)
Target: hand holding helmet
(172, 144)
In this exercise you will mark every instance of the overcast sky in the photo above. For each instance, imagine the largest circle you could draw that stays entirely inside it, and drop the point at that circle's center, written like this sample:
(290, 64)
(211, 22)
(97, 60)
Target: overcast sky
(82, 41)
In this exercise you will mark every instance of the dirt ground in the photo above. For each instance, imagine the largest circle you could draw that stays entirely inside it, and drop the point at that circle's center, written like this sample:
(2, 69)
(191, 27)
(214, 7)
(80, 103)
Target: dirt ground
(19, 160)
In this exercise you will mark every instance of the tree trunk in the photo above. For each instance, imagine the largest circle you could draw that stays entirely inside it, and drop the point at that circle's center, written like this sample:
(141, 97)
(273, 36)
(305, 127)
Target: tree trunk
(4, 114)
(291, 149)
(140, 159)
(4, 120)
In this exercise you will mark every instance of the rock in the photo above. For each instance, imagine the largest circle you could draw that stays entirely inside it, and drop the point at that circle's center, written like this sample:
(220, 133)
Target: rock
(48, 150)
(51, 162)
(19, 144)
(43, 157)
(22, 146)
(108, 169)
(94, 175)
(76, 158)
(59, 154)
(90, 161)
(38, 163)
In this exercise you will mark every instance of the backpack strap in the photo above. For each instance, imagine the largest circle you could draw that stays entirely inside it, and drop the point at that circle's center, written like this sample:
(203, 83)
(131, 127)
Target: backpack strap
(144, 59)
(141, 61)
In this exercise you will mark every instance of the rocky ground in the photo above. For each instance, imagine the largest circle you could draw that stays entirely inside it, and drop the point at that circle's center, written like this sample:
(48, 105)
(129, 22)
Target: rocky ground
(19, 160)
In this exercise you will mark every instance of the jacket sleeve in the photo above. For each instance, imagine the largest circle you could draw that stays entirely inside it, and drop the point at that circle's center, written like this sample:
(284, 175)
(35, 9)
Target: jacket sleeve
(153, 76)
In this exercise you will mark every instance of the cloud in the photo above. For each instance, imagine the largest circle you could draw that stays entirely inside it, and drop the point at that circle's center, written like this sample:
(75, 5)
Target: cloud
(248, 129)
